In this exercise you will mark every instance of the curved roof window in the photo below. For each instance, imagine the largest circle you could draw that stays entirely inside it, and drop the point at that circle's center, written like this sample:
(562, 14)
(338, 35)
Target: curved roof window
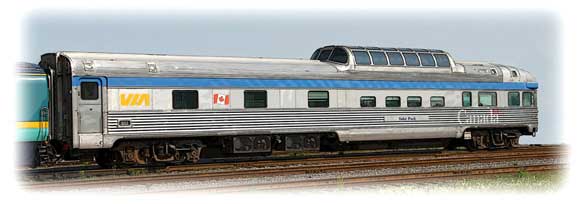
(412, 59)
(324, 55)
(362, 57)
(395, 58)
(339, 55)
(378, 58)
(427, 59)
(315, 54)
(442, 60)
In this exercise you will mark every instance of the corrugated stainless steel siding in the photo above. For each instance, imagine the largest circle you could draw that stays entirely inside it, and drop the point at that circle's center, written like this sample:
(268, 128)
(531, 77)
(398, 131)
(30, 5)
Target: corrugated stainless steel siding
(249, 120)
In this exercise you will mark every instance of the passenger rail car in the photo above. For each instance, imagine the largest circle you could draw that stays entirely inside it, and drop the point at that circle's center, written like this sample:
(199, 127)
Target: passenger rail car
(32, 118)
(138, 108)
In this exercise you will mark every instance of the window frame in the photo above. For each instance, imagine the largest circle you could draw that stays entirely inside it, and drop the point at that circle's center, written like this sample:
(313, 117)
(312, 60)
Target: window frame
(330, 59)
(196, 97)
(245, 98)
(408, 101)
(422, 61)
(406, 59)
(509, 99)
(315, 55)
(470, 97)
(443, 100)
(84, 96)
(379, 52)
(374, 101)
(327, 99)
(398, 102)
(322, 51)
(365, 51)
(401, 56)
(445, 56)
(532, 99)
(488, 92)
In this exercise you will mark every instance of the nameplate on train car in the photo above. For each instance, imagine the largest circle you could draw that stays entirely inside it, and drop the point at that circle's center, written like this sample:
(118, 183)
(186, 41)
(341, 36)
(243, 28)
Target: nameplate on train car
(393, 118)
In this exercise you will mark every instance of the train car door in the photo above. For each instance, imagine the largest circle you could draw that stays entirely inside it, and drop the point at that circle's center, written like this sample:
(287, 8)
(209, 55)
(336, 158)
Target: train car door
(90, 106)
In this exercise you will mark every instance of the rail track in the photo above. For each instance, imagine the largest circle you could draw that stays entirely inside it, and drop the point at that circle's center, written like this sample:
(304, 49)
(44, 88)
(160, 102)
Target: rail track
(224, 171)
(78, 170)
(368, 180)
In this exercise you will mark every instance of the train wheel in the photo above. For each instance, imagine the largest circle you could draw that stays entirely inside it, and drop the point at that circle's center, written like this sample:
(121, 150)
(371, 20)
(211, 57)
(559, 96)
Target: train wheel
(511, 142)
(195, 154)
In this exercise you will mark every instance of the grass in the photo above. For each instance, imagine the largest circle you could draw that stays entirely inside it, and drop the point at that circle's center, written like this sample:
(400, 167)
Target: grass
(521, 182)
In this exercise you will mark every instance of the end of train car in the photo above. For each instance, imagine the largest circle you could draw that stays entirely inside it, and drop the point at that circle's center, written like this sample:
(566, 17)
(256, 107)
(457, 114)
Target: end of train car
(143, 108)
(32, 118)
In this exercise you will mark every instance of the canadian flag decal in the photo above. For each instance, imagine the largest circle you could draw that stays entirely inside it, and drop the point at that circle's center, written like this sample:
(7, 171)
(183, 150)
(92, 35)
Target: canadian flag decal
(221, 99)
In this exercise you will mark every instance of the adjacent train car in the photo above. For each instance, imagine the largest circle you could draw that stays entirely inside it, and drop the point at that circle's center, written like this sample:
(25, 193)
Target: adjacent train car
(141, 109)
(32, 114)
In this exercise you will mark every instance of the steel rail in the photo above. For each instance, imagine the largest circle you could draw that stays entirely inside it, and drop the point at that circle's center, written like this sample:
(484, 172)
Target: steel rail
(319, 168)
(354, 181)
(232, 163)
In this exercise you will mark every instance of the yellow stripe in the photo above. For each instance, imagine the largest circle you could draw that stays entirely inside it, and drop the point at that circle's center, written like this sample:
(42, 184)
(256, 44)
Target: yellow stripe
(34, 124)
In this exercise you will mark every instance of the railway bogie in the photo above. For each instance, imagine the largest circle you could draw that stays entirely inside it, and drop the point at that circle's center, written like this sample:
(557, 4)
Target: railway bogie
(492, 138)
(151, 151)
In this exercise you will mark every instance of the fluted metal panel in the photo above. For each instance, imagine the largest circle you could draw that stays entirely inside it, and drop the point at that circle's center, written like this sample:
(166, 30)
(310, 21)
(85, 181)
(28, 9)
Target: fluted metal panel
(314, 119)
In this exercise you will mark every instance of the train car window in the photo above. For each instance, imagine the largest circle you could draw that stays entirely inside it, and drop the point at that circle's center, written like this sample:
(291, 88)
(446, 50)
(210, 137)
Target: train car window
(255, 99)
(466, 99)
(487, 99)
(362, 57)
(528, 99)
(318, 99)
(315, 54)
(379, 58)
(513, 99)
(414, 101)
(437, 101)
(324, 55)
(392, 101)
(368, 101)
(514, 74)
(395, 58)
(427, 60)
(412, 59)
(339, 55)
(442, 60)
(89, 91)
(185, 99)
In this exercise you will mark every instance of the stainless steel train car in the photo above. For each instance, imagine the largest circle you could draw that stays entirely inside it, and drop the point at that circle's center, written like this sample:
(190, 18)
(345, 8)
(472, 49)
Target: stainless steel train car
(141, 108)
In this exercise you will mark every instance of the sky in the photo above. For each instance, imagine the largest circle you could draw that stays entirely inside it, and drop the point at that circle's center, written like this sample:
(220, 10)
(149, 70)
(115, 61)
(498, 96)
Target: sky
(529, 39)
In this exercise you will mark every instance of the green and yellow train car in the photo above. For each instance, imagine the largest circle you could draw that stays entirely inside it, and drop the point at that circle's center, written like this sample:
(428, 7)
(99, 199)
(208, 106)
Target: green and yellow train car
(32, 114)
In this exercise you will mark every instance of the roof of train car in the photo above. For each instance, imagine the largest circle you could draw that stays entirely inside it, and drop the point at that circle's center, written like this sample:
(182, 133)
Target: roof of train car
(159, 65)
(352, 47)
(28, 68)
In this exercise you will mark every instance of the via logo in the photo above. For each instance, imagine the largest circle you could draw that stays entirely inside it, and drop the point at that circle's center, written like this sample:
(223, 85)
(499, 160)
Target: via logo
(220, 99)
(135, 99)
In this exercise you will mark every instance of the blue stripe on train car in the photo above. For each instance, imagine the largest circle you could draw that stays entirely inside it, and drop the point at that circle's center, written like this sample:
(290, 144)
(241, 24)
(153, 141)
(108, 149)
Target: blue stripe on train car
(304, 83)
(532, 85)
